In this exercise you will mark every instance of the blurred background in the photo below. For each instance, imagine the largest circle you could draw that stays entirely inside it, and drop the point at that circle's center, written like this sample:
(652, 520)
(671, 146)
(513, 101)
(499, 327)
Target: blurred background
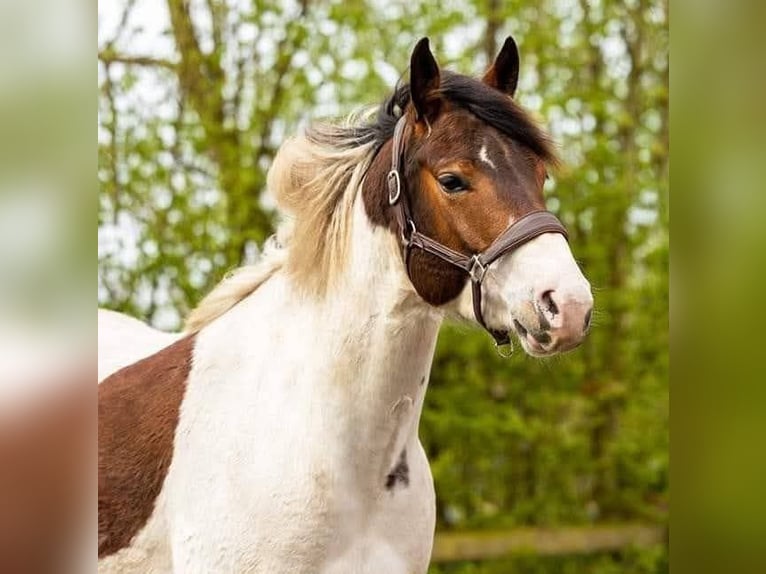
(555, 466)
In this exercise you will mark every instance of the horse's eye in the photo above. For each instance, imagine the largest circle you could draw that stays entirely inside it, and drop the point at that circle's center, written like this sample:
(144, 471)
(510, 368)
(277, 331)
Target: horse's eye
(452, 183)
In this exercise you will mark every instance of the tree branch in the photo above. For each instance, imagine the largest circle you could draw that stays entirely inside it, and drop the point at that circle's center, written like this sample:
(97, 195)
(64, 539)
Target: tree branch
(218, 15)
(111, 57)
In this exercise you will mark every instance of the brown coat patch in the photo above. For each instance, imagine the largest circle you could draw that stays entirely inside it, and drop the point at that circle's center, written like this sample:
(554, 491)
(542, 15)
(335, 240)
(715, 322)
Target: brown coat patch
(138, 409)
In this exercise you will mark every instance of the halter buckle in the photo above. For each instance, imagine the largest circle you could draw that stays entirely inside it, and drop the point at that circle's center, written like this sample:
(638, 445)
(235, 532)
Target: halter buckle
(478, 270)
(394, 186)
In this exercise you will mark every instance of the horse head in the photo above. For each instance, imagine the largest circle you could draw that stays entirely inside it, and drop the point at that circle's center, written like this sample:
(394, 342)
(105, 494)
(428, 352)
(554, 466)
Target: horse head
(469, 165)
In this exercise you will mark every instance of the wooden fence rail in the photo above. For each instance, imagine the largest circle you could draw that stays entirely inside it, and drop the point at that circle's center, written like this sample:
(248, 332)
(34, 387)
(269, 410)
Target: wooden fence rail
(485, 545)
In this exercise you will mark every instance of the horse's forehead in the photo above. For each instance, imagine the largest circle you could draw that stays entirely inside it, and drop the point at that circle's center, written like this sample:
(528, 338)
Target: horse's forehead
(459, 129)
(460, 135)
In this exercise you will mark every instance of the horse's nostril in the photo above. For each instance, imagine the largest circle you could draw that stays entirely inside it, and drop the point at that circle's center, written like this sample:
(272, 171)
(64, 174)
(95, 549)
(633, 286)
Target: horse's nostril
(586, 323)
(549, 304)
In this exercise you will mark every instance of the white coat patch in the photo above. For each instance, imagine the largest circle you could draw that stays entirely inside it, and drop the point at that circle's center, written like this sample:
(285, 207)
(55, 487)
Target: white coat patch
(484, 156)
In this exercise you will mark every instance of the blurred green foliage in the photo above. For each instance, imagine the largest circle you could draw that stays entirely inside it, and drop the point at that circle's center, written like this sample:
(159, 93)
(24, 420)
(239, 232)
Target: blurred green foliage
(187, 131)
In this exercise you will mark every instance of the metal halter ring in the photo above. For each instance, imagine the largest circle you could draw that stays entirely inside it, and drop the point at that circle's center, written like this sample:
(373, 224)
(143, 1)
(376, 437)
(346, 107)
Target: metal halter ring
(405, 239)
(394, 186)
(478, 270)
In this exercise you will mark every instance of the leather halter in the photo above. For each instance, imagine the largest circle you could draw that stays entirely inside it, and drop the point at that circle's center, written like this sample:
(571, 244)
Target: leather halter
(475, 265)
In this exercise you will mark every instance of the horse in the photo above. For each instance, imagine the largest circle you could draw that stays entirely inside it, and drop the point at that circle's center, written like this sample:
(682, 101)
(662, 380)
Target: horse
(278, 433)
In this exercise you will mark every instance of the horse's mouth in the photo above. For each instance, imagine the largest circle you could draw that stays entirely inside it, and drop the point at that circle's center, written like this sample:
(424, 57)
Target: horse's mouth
(536, 342)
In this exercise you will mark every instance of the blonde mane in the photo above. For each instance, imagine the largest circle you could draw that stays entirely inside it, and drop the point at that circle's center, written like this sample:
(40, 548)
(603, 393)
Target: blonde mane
(314, 179)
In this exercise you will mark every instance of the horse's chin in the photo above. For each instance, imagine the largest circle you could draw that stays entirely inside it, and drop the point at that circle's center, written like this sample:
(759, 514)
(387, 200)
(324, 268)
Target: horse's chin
(524, 324)
(535, 349)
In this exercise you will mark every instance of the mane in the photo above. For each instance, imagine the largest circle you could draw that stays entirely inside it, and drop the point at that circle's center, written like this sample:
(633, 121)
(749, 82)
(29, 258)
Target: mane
(235, 287)
(315, 178)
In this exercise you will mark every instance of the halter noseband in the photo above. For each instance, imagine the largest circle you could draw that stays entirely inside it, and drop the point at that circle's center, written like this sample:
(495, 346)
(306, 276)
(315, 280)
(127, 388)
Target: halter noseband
(520, 232)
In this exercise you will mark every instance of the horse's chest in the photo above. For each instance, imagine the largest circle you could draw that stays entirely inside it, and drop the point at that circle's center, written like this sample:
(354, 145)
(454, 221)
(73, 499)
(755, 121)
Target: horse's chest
(309, 509)
(268, 477)
(308, 524)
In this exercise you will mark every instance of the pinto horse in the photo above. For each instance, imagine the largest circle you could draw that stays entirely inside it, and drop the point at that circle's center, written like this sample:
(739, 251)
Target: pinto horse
(279, 432)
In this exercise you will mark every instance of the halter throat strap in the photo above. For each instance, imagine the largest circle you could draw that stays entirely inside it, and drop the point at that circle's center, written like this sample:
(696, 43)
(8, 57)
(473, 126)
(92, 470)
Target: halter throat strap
(475, 265)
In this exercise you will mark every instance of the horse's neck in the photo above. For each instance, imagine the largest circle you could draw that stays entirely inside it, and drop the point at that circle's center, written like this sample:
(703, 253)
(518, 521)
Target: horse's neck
(380, 338)
(365, 351)
(374, 364)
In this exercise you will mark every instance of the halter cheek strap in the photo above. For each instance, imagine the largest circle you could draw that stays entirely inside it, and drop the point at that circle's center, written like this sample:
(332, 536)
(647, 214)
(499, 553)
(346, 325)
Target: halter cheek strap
(475, 265)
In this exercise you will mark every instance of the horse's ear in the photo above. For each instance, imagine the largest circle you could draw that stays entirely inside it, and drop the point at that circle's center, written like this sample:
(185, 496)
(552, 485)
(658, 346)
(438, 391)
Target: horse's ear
(504, 72)
(424, 81)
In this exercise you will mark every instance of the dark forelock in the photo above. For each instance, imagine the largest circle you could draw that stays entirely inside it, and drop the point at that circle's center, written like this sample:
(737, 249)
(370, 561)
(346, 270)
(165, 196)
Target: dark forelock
(486, 103)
